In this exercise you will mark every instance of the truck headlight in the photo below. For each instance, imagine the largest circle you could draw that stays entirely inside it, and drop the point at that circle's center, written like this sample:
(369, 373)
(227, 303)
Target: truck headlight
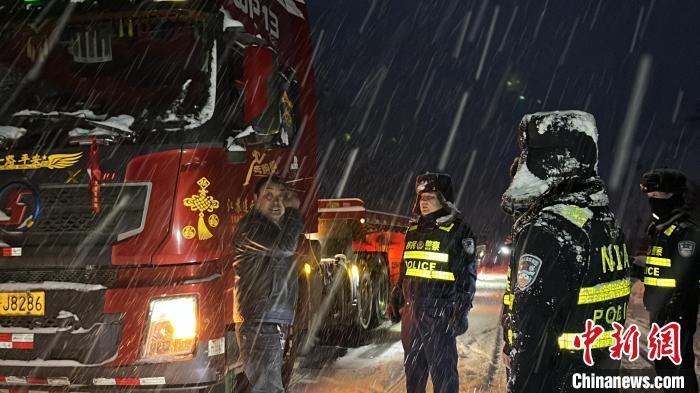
(171, 330)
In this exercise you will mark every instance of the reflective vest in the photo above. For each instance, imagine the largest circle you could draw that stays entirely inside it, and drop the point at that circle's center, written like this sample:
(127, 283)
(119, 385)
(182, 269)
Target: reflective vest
(604, 288)
(660, 274)
(508, 297)
(426, 253)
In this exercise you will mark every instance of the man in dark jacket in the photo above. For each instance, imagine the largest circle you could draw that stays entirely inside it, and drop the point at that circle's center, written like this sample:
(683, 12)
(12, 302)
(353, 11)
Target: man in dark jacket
(436, 287)
(672, 267)
(569, 261)
(266, 286)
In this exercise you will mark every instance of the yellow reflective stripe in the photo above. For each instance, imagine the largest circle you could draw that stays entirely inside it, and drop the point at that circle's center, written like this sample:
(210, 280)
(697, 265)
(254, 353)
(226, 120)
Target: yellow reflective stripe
(605, 340)
(669, 230)
(508, 300)
(656, 261)
(448, 228)
(604, 292)
(412, 228)
(578, 216)
(660, 282)
(432, 274)
(510, 336)
(427, 256)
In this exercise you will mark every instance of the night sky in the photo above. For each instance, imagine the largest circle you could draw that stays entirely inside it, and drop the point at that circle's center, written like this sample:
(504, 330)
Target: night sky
(392, 76)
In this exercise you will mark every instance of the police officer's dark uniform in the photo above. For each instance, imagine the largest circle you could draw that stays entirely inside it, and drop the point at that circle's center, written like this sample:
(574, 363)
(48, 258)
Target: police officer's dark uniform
(436, 288)
(672, 268)
(569, 260)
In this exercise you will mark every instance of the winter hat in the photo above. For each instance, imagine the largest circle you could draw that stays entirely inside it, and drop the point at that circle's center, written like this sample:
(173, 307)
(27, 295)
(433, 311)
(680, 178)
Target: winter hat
(439, 183)
(555, 147)
(664, 180)
(667, 180)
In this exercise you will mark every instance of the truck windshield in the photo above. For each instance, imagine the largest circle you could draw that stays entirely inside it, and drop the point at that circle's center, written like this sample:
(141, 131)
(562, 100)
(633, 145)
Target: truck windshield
(157, 66)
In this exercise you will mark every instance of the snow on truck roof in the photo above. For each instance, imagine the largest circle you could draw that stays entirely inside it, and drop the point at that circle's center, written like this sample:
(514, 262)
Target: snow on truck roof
(354, 209)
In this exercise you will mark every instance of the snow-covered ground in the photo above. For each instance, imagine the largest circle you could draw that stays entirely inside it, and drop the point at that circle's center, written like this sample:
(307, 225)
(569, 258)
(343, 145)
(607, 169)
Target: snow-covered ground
(378, 365)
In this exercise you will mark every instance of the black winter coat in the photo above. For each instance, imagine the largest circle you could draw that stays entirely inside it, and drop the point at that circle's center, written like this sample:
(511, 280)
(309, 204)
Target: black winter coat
(569, 264)
(267, 277)
(426, 293)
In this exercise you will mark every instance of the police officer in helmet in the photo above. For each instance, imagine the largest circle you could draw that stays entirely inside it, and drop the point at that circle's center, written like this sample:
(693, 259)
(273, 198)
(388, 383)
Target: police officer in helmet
(672, 268)
(436, 286)
(569, 262)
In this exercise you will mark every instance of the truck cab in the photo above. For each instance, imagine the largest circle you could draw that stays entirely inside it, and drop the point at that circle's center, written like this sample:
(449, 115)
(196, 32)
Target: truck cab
(131, 135)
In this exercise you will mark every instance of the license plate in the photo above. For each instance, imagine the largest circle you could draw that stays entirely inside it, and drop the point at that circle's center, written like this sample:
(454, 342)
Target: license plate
(22, 303)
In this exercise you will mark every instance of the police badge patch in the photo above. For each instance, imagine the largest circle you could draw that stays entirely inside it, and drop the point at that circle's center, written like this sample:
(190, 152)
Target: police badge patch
(686, 248)
(528, 267)
(468, 245)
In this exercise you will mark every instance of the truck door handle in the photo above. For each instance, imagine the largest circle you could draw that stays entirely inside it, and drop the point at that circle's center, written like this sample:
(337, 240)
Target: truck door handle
(194, 164)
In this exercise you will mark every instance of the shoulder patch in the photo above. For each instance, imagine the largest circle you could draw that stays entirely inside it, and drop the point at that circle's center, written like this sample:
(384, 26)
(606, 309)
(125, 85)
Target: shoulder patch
(468, 245)
(528, 267)
(686, 248)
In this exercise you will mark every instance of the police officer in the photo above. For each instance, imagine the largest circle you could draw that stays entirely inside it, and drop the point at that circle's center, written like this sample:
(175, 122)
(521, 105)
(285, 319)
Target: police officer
(437, 282)
(569, 261)
(672, 266)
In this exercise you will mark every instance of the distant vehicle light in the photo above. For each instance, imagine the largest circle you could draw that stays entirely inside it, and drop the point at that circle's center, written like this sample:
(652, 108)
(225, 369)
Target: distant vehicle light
(354, 272)
(307, 269)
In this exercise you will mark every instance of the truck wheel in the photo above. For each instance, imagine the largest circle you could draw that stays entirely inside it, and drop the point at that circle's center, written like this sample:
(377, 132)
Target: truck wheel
(365, 302)
(381, 289)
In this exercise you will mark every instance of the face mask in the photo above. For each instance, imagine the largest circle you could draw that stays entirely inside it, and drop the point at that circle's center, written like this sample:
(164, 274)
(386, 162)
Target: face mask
(663, 209)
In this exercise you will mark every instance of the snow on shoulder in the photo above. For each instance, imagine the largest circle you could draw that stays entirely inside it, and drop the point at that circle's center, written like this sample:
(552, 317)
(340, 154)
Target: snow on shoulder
(526, 185)
(571, 120)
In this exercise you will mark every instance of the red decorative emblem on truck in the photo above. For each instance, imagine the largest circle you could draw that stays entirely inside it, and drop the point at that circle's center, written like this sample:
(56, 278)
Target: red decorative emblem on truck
(201, 202)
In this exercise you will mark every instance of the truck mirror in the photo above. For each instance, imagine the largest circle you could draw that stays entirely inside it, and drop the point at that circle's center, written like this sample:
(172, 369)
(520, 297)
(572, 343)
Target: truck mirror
(268, 102)
(235, 153)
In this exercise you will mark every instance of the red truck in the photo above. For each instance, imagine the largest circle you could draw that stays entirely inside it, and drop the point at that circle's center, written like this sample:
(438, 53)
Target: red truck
(368, 244)
(131, 134)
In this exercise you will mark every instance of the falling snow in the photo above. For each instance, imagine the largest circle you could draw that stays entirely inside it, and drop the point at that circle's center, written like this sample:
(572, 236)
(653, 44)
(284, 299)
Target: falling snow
(394, 89)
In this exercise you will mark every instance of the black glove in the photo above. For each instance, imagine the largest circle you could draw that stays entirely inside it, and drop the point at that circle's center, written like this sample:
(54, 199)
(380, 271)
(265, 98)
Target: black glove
(395, 304)
(460, 324)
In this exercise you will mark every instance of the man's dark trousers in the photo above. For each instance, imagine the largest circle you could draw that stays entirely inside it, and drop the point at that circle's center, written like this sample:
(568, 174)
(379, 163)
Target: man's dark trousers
(261, 351)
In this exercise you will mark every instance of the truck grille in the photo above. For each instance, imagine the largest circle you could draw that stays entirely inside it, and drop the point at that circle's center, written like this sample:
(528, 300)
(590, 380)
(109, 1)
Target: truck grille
(105, 277)
(66, 213)
(74, 327)
(37, 323)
